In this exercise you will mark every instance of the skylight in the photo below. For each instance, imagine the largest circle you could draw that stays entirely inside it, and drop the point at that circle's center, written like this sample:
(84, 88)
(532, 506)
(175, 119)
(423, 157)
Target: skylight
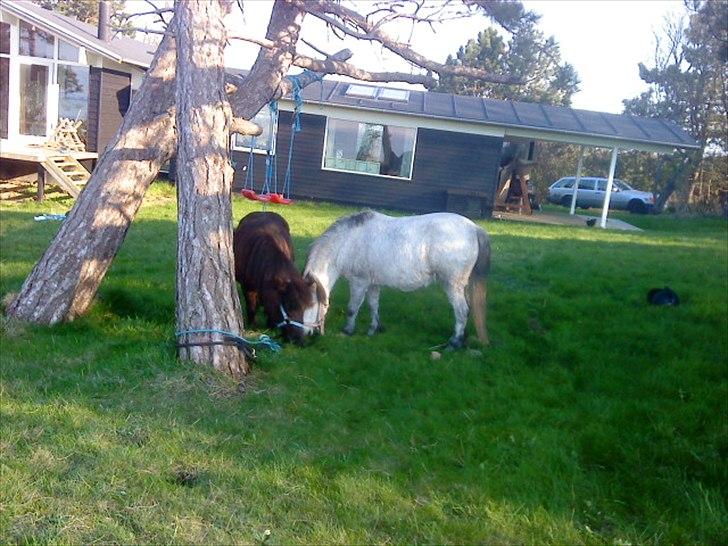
(393, 94)
(380, 93)
(361, 91)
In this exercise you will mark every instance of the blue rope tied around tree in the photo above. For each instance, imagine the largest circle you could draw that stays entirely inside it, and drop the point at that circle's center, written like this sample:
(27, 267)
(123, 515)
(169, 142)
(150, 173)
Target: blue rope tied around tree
(262, 340)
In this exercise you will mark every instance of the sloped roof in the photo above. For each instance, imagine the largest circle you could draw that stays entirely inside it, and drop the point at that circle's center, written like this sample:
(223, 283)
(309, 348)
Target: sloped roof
(124, 50)
(514, 116)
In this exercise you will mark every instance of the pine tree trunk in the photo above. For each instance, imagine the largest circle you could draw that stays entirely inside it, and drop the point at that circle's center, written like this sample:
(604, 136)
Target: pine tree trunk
(207, 297)
(64, 282)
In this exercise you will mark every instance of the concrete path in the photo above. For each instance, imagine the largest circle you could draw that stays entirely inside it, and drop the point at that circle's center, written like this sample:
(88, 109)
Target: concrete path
(555, 218)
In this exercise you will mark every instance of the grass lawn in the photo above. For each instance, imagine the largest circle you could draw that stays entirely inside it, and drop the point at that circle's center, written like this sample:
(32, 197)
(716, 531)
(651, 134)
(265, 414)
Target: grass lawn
(592, 418)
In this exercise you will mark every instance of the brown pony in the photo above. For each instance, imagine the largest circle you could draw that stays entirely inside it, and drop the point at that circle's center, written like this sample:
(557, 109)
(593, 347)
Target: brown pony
(265, 270)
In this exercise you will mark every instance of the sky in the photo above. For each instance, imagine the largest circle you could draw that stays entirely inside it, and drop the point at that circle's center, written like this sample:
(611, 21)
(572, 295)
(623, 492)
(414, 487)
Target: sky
(603, 39)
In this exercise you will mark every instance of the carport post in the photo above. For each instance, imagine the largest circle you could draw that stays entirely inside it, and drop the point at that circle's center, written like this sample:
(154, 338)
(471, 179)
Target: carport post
(576, 181)
(610, 183)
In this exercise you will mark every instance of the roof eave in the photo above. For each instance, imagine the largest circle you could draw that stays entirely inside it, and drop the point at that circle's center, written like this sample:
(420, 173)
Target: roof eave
(19, 11)
(539, 133)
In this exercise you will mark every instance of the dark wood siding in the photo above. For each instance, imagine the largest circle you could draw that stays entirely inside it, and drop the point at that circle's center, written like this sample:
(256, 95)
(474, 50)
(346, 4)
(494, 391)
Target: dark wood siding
(443, 161)
(94, 87)
(109, 95)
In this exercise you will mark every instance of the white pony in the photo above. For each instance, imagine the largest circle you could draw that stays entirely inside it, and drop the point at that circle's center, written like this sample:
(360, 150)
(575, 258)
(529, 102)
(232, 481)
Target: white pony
(373, 250)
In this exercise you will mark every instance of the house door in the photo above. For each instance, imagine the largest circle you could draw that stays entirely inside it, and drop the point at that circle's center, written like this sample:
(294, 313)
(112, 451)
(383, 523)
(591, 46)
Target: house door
(34, 89)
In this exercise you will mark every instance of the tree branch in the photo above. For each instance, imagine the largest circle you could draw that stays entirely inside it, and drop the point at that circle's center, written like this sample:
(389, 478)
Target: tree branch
(357, 26)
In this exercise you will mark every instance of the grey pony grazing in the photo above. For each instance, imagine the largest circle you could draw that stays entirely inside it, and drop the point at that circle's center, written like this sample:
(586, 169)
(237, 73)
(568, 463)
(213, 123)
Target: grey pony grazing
(372, 250)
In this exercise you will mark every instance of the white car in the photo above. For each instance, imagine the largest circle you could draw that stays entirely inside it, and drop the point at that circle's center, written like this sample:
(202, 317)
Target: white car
(591, 194)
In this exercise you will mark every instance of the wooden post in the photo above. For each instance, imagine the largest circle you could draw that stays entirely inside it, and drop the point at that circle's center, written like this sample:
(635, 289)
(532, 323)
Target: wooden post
(41, 183)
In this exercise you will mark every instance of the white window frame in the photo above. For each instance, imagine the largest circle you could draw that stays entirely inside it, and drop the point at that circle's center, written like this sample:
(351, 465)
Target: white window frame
(389, 176)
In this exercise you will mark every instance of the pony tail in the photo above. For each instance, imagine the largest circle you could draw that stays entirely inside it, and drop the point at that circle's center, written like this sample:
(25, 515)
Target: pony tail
(478, 290)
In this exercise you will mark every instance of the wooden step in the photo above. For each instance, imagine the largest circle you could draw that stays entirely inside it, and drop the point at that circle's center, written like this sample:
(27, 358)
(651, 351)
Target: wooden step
(67, 173)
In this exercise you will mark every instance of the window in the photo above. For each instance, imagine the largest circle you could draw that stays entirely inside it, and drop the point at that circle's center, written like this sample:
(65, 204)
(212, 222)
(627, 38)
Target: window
(35, 42)
(4, 95)
(586, 184)
(73, 95)
(264, 142)
(393, 94)
(361, 91)
(566, 183)
(33, 86)
(380, 93)
(5, 38)
(369, 148)
(67, 52)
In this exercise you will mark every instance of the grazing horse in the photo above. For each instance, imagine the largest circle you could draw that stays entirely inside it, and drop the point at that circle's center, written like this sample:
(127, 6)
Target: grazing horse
(264, 268)
(373, 250)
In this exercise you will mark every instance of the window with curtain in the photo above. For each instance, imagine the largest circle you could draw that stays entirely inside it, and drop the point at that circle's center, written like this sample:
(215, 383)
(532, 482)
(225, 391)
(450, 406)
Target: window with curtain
(369, 148)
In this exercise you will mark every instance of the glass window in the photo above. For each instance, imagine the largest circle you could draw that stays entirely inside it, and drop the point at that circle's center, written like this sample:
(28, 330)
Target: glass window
(73, 95)
(263, 142)
(5, 38)
(33, 87)
(35, 42)
(386, 93)
(369, 148)
(586, 184)
(355, 90)
(566, 183)
(67, 52)
(4, 95)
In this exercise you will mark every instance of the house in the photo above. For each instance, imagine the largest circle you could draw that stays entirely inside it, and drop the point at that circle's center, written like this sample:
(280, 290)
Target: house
(359, 144)
(53, 67)
(418, 151)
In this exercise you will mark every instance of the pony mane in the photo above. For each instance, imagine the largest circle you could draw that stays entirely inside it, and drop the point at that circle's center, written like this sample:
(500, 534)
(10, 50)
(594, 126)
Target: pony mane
(341, 225)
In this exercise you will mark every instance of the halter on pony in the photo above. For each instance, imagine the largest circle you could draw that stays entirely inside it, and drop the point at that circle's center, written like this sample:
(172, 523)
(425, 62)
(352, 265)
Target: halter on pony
(287, 321)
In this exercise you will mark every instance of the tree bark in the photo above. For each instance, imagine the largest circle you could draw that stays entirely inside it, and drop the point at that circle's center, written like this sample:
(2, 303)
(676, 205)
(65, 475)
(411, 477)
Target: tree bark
(65, 280)
(207, 298)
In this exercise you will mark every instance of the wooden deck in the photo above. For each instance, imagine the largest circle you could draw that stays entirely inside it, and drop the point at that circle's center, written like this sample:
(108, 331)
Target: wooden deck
(56, 167)
(39, 154)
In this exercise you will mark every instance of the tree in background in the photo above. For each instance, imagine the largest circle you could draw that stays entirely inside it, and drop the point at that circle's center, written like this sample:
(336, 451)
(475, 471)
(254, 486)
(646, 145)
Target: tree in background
(523, 50)
(87, 11)
(688, 85)
(547, 79)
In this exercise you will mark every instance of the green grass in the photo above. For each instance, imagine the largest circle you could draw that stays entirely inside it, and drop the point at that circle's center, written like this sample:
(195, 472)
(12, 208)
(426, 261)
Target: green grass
(592, 418)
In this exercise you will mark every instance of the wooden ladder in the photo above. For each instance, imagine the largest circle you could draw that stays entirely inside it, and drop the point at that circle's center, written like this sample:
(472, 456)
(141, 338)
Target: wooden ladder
(67, 172)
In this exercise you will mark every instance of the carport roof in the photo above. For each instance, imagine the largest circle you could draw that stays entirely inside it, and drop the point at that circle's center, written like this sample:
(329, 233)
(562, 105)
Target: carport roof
(517, 119)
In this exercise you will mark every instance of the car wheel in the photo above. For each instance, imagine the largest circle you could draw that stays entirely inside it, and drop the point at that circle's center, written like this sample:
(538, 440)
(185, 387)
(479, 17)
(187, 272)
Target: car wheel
(637, 207)
(566, 201)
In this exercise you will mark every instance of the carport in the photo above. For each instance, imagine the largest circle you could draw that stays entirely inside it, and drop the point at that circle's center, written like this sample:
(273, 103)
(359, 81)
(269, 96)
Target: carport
(616, 132)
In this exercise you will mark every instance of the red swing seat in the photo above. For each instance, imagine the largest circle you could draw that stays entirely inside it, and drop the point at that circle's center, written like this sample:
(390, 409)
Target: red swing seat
(278, 199)
(250, 194)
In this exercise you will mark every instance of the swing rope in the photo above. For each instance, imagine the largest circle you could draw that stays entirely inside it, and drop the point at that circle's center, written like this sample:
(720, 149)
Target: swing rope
(271, 161)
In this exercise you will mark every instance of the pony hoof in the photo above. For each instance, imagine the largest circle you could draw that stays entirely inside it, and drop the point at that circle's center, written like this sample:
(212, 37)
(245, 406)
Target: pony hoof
(375, 330)
(347, 331)
(455, 343)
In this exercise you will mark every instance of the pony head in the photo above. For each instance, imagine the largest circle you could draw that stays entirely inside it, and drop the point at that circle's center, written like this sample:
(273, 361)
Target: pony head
(294, 298)
(315, 314)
